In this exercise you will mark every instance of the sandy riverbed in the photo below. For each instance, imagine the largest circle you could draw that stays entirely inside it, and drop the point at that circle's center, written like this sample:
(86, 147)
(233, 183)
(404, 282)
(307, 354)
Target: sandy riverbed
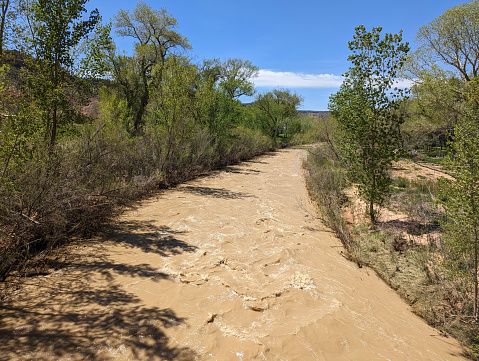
(233, 266)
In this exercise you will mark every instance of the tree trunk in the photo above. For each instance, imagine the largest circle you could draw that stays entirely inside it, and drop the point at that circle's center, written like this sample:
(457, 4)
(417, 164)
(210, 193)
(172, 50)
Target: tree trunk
(372, 216)
(3, 20)
(145, 97)
(56, 70)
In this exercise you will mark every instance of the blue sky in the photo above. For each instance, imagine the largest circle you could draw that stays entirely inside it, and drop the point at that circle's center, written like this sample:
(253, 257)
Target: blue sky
(299, 45)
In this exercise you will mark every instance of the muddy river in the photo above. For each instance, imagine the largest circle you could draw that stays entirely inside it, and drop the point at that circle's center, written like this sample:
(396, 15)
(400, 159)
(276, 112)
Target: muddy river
(233, 266)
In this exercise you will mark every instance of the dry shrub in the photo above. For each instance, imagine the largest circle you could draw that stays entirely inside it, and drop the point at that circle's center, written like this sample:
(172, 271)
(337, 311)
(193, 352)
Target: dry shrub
(326, 181)
(74, 190)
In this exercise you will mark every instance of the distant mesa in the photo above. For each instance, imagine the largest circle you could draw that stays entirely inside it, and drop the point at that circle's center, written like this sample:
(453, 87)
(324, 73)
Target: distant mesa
(321, 114)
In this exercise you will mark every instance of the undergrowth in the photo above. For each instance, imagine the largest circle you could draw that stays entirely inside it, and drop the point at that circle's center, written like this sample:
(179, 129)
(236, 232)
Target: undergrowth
(52, 197)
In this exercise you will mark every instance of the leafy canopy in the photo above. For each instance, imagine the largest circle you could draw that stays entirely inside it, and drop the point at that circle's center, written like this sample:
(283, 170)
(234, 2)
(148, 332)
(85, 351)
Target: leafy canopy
(366, 108)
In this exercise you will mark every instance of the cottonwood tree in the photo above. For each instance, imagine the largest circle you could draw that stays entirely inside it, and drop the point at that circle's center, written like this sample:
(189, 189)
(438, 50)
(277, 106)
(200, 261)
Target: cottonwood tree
(446, 59)
(4, 9)
(155, 36)
(174, 107)
(58, 28)
(461, 203)
(276, 108)
(452, 39)
(218, 86)
(449, 45)
(366, 108)
(235, 77)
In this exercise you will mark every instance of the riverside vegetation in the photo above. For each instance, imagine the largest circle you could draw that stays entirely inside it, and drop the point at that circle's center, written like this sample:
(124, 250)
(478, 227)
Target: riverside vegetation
(417, 230)
(86, 129)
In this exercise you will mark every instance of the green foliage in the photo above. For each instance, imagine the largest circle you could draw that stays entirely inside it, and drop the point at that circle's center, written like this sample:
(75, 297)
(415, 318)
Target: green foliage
(97, 51)
(4, 11)
(366, 108)
(275, 110)
(441, 68)
(58, 30)
(235, 75)
(155, 36)
(452, 39)
(446, 69)
(461, 203)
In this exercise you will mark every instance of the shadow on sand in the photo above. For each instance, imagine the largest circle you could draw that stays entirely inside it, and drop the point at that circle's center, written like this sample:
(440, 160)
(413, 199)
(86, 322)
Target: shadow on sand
(215, 192)
(149, 238)
(80, 312)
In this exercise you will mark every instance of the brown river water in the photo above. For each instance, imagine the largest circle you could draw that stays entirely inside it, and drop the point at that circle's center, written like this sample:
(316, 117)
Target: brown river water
(233, 266)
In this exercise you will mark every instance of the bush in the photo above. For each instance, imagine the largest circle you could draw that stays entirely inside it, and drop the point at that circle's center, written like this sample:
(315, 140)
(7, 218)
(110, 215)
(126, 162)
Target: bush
(326, 181)
(51, 196)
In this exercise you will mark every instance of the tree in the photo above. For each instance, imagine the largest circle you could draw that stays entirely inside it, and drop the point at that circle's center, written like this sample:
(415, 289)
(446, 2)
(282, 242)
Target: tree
(452, 39)
(218, 86)
(174, 107)
(366, 108)
(446, 59)
(59, 28)
(276, 108)
(461, 203)
(4, 8)
(235, 75)
(447, 62)
(155, 36)
(97, 50)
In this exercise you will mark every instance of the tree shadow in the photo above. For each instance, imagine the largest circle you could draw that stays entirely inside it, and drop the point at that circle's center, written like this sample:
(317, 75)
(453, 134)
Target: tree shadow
(411, 226)
(82, 312)
(85, 314)
(215, 192)
(238, 170)
(149, 238)
(255, 162)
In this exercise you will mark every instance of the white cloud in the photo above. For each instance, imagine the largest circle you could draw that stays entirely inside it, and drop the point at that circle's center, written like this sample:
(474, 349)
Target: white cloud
(403, 83)
(286, 79)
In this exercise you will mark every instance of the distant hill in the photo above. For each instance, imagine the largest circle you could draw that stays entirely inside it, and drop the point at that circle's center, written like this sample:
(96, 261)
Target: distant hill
(321, 114)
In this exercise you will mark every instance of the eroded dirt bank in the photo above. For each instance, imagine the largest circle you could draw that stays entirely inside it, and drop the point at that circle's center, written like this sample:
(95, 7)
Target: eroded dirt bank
(229, 267)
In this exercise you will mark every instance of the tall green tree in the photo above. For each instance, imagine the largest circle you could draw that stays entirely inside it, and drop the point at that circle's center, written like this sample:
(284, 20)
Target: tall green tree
(461, 203)
(173, 109)
(59, 28)
(366, 108)
(4, 9)
(155, 36)
(447, 58)
(218, 86)
(276, 108)
(451, 39)
(235, 77)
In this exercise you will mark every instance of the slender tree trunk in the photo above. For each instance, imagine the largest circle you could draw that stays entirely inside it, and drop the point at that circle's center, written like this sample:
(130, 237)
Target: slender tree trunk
(3, 20)
(144, 99)
(371, 212)
(55, 102)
